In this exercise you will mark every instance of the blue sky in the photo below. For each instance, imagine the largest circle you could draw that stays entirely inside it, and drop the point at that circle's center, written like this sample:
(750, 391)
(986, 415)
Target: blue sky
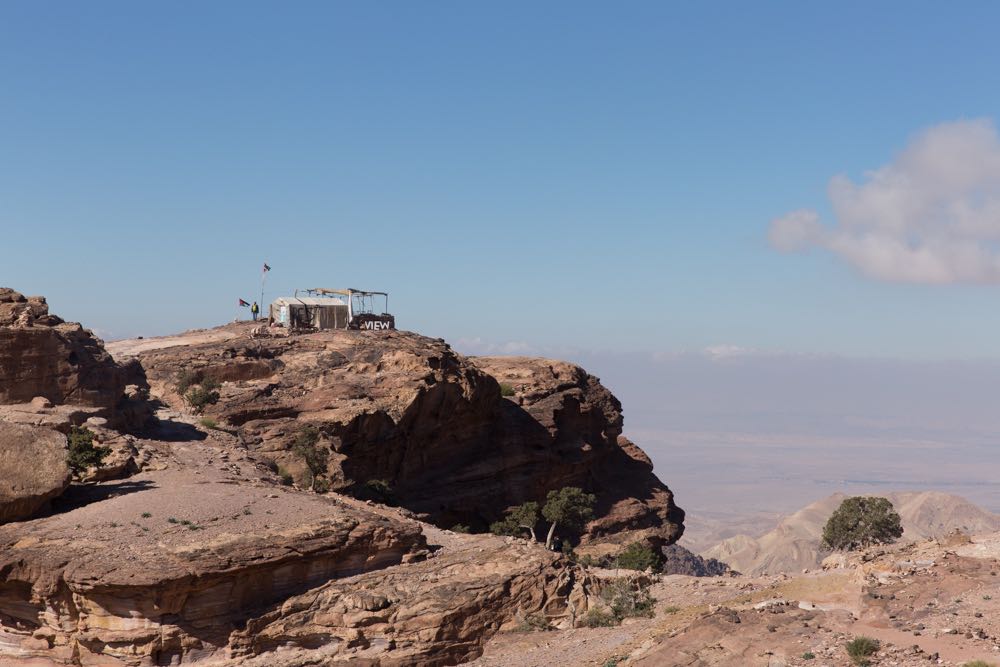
(589, 175)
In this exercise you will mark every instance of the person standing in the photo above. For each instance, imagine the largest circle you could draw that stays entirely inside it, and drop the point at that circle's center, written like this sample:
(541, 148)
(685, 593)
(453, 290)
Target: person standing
(254, 311)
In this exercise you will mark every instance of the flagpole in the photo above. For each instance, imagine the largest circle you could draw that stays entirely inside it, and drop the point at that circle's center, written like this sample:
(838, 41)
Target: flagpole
(263, 276)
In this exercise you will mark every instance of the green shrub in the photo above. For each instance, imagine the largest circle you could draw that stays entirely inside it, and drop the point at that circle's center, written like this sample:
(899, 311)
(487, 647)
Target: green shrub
(185, 379)
(306, 445)
(570, 507)
(638, 556)
(672, 609)
(628, 598)
(286, 477)
(321, 485)
(808, 655)
(534, 623)
(208, 422)
(861, 648)
(860, 522)
(460, 528)
(599, 618)
(82, 452)
(201, 396)
(978, 663)
(506, 389)
(518, 521)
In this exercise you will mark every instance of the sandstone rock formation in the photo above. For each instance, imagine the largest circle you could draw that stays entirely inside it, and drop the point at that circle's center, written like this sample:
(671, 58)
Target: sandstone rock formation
(436, 612)
(407, 410)
(678, 560)
(40, 355)
(33, 469)
(161, 568)
(185, 547)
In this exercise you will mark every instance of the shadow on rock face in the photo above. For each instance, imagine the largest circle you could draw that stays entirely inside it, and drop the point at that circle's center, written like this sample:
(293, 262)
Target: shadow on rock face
(79, 495)
(168, 430)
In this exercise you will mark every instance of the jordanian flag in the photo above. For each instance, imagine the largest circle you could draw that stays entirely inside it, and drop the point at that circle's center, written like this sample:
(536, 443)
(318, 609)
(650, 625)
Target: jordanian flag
(244, 303)
(266, 268)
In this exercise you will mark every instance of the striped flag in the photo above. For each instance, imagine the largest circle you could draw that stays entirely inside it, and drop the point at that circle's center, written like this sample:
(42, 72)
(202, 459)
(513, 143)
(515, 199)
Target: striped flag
(244, 303)
(266, 268)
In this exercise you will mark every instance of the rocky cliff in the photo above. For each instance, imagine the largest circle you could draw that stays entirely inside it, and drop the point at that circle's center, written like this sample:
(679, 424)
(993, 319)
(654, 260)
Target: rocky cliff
(42, 356)
(190, 544)
(430, 424)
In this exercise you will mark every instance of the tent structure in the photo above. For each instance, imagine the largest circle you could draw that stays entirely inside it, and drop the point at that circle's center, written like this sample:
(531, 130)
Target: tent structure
(322, 308)
(323, 312)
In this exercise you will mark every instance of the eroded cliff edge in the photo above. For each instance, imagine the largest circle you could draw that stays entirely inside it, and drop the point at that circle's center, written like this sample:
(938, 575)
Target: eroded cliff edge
(430, 423)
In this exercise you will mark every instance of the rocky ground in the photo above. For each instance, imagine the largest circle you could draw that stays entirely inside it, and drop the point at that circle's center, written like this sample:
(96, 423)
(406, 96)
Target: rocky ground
(931, 603)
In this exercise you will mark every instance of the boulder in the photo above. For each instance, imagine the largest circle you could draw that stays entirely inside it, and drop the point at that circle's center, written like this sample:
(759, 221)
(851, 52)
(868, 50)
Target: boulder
(33, 469)
(42, 356)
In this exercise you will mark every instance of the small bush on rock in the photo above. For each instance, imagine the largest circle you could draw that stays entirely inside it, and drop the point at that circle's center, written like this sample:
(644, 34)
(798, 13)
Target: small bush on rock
(861, 648)
(306, 445)
(570, 507)
(202, 395)
(638, 556)
(628, 598)
(534, 623)
(599, 618)
(519, 520)
(82, 452)
(506, 389)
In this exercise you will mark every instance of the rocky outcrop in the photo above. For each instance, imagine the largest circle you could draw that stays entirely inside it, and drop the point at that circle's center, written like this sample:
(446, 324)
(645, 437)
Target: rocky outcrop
(438, 612)
(678, 560)
(432, 425)
(33, 469)
(42, 356)
(164, 572)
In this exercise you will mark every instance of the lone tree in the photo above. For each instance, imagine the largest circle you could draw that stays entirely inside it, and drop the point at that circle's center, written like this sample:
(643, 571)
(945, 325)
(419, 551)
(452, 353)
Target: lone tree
(306, 445)
(570, 507)
(521, 518)
(860, 522)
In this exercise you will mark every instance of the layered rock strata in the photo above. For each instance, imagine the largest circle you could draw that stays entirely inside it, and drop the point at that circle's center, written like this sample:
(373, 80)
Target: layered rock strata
(429, 424)
(42, 356)
(164, 572)
(437, 612)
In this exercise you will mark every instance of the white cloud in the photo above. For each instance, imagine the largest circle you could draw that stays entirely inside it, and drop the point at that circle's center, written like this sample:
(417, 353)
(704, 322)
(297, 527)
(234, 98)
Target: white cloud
(932, 215)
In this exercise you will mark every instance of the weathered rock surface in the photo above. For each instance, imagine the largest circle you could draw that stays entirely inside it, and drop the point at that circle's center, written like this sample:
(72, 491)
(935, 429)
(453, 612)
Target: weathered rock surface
(42, 356)
(678, 560)
(406, 409)
(33, 469)
(437, 612)
(163, 567)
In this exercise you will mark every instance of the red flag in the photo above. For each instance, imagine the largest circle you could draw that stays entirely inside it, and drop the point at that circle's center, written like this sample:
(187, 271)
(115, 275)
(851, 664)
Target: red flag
(266, 268)
(244, 303)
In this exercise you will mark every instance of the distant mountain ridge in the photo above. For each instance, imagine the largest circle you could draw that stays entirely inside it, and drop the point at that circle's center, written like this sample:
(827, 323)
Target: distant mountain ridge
(794, 543)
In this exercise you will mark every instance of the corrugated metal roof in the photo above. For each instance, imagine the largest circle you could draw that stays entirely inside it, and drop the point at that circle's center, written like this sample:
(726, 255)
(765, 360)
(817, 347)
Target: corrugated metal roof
(308, 300)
